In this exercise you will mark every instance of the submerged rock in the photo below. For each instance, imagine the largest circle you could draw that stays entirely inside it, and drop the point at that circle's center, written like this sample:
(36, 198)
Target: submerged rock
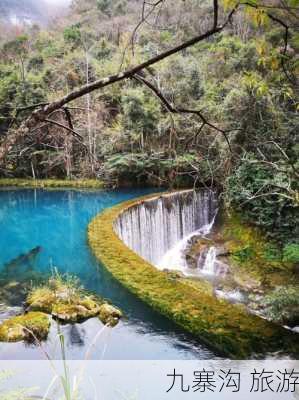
(7, 312)
(30, 326)
(109, 314)
(14, 293)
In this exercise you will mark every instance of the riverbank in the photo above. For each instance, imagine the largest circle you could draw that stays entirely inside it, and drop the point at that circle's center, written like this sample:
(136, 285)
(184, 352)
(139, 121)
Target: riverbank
(227, 328)
(52, 183)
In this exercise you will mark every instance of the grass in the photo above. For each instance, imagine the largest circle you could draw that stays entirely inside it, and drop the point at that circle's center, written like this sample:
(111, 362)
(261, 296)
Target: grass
(52, 183)
(229, 329)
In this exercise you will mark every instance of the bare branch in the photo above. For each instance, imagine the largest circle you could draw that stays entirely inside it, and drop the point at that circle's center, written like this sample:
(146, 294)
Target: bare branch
(175, 110)
(50, 121)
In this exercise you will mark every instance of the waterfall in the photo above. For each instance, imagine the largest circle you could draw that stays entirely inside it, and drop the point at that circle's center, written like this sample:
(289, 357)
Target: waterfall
(155, 226)
(210, 262)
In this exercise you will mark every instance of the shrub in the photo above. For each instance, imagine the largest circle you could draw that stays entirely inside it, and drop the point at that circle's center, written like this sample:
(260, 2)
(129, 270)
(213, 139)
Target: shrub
(291, 253)
(282, 305)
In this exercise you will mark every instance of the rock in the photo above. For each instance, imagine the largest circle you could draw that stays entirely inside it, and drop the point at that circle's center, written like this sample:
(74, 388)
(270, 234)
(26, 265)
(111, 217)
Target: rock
(173, 274)
(41, 299)
(202, 257)
(65, 303)
(221, 268)
(25, 327)
(12, 285)
(7, 312)
(222, 251)
(109, 314)
(86, 308)
(69, 303)
(248, 283)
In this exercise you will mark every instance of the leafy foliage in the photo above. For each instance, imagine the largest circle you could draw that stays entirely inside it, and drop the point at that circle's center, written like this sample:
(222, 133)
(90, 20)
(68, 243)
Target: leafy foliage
(236, 79)
(263, 198)
(291, 253)
(282, 305)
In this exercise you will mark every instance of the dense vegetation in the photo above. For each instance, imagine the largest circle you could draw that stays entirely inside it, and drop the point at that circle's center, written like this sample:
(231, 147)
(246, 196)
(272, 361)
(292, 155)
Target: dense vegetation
(243, 80)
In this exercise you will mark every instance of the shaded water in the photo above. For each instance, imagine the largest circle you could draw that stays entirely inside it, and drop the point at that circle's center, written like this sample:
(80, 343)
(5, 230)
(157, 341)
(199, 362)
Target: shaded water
(55, 222)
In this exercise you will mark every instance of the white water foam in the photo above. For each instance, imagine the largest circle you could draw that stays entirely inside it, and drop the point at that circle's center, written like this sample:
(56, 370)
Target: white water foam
(156, 227)
(234, 296)
(175, 259)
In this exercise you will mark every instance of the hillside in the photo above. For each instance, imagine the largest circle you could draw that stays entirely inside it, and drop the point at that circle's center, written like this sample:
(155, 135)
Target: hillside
(221, 113)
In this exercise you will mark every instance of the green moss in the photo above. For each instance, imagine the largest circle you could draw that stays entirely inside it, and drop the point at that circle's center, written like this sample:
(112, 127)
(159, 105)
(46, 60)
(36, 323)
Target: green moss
(52, 183)
(25, 327)
(68, 312)
(64, 299)
(253, 257)
(41, 299)
(109, 314)
(227, 328)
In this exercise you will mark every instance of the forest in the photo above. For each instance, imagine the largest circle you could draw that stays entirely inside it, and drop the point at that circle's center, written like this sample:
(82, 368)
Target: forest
(222, 112)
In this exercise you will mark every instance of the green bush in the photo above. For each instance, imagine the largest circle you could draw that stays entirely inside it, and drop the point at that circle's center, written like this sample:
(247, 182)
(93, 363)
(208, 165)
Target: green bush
(72, 34)
(282, 305)
(244, 254)
(263, 200)
(291, 253)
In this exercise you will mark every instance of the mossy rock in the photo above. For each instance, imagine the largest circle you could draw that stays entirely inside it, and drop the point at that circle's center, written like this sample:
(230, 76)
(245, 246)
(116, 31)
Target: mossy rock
(227, 328)
(25, 327)
(109, 314)
(82, 310)
(66, 303)
(41, 299)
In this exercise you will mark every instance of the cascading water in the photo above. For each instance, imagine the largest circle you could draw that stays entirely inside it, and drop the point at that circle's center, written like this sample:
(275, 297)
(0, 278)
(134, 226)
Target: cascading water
(175, 257)
(209, 266)
(154, 227)
(160, 229)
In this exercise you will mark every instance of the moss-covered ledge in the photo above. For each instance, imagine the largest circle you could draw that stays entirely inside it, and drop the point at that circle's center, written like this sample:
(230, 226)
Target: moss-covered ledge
(227, 328)
(52, 183)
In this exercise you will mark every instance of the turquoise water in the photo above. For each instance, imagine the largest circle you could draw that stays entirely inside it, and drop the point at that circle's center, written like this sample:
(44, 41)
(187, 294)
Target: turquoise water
(55, 222)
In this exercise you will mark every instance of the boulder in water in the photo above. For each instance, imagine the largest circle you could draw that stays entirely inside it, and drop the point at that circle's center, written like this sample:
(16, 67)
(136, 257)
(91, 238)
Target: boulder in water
(84, 309)
(66, 304)
(109, 314)
(34, 325)
(69, 303)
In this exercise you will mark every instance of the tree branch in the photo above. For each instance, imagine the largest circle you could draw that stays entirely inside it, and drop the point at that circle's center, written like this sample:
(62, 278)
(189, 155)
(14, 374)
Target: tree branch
(175, 110)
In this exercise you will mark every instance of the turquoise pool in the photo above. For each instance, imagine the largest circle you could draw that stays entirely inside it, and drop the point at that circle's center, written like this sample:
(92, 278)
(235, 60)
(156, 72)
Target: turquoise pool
(55, 222)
